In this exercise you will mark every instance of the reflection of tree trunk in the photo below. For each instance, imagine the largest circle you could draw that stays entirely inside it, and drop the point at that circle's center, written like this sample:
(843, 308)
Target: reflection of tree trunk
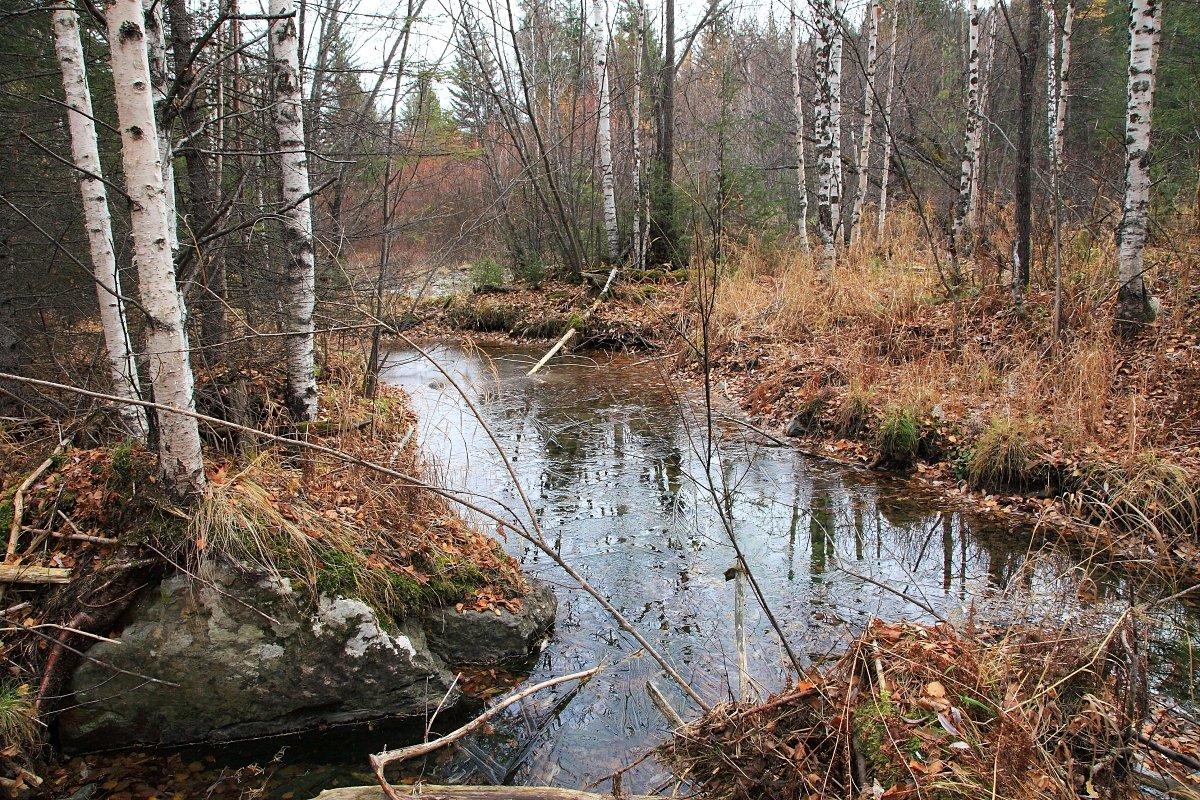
(947, 552)
(97, 219)
(202, 195)
(820, 529)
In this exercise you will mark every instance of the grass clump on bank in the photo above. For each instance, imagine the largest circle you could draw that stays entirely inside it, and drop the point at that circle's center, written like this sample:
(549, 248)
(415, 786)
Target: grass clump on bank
(898, 437)
(1146, 496)
(1002, 456)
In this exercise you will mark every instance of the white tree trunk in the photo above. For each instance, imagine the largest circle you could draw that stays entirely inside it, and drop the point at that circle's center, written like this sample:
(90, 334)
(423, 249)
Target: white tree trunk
(874, 13)
(975, 200)
(1134, 306)
(888, 105)
(180, 461)
(604, 131)
(300, 299)
(1064, 87)
(156, 50)
(828, 152)
(835, 118)
(640, 197)
(974, 127)
(798, 105)
(97, 220)
(1051, 86)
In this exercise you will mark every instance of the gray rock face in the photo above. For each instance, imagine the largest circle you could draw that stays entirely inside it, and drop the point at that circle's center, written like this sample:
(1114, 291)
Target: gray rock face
(484, 637)
(252, 658)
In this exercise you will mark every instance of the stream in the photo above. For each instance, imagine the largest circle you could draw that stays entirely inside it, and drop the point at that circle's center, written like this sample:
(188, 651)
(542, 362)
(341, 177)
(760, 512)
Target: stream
(614, 462)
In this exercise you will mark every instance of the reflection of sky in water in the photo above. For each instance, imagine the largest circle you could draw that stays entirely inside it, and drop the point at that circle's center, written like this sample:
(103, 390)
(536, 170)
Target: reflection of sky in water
(611, 467)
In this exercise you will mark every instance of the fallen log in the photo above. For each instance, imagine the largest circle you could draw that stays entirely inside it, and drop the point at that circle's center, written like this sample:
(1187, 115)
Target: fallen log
(19, 573)
(473, 793)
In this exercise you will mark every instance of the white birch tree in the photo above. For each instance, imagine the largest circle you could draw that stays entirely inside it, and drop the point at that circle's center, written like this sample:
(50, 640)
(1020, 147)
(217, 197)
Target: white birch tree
(160, 81)
(798, 106)
(180, 461)
(888, 142)
(863, 166)
(97, 219)
(300, 274)
(1134, 304)
(835, 117)
(974, 127)
(604, 130)
(827, 131)
(641, 215)
(975, 200)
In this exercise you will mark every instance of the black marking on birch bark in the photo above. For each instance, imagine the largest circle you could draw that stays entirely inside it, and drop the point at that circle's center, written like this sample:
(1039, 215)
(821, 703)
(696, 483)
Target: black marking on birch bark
(129, 32)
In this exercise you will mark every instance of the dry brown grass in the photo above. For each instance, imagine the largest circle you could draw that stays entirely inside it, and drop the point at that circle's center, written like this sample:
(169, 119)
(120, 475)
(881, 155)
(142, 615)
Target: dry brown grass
(882, 322)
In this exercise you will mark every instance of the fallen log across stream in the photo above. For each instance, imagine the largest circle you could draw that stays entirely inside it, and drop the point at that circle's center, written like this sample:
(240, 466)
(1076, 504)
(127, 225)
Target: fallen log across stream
(473, 793)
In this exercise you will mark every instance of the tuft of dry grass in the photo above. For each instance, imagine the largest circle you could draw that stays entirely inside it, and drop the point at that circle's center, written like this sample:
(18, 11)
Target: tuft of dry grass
(1149, 495)
(1002, 456)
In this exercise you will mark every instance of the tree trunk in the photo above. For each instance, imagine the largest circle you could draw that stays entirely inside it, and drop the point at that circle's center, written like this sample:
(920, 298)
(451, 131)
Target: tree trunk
(835, 119)
(156, 44)
(301, 390)
(1134, 306)
(1024, 172)
(604, 131)
(1058, 135)
(798, 105)
(881, 223)
(640, 217)
(971, 136)
(874, 12)
(662, 213)
(828, 152)
(210, 261)
(180, 461)
(97, 219)
(978, 151)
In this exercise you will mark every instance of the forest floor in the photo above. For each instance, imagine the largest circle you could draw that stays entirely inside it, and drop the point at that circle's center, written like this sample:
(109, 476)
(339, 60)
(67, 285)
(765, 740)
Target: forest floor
(93, 528)
(1089, 436)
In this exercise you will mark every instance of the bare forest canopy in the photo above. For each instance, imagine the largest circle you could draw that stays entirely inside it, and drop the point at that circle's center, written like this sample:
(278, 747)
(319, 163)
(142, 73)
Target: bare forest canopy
(317, 159)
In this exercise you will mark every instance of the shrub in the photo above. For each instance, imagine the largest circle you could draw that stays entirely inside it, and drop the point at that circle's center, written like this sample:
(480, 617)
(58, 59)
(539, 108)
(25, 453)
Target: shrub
(1002, 456)
(531, 271)
(899, 436)
(487, 273)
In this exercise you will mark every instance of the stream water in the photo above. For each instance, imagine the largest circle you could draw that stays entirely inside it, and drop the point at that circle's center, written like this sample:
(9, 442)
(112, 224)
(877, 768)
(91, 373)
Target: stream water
(614, 462)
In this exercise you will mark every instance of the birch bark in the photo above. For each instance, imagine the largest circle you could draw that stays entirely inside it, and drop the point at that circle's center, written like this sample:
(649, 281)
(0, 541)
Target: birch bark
(97, 219)
(874, 12)
(798, 105)
(640, 217)
(604, 131)
(974, 126)
(156, 44)
(1134, 305)
(975, 201)
(826, 132)
(301, 389)
(888, 105)
(180, 462)
(835, 118)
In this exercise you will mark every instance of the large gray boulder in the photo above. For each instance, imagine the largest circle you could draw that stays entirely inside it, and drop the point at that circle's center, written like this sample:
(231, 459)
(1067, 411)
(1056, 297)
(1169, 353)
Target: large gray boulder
(487, 637)
(250, 657)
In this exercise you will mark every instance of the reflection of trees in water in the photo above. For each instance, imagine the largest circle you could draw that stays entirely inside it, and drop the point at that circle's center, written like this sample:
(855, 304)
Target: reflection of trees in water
(821, 527)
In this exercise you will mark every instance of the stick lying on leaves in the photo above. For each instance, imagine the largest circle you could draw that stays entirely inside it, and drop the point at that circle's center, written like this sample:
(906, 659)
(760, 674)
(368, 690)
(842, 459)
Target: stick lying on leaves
(380, 761)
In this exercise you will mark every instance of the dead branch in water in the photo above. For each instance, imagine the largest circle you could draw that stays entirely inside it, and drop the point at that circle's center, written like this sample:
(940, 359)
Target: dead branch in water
(380, 761)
